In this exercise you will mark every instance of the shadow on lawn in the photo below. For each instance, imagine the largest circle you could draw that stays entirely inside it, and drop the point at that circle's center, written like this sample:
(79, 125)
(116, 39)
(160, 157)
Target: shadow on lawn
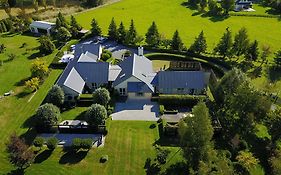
(73, 157)
(166, 140)
(151, 168)
(273, 74)
(16, 172)
(43, 156)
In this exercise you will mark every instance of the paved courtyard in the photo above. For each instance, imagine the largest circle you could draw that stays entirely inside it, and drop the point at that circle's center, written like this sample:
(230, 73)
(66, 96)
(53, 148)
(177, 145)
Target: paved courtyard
(144, 110)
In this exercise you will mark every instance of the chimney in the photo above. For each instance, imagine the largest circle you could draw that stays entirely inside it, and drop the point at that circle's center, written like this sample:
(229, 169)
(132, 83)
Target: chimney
(140, 51)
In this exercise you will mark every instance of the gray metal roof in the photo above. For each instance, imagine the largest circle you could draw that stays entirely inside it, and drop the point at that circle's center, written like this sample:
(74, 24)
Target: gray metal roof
(74, 81)
(181, 79)
(93, 72)
(42, 24)
(114, 71)
(139, 67)
(88, 57)
(89, 47)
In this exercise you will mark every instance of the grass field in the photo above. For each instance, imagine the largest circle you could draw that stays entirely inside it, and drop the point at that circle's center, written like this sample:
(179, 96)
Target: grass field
(171, 15)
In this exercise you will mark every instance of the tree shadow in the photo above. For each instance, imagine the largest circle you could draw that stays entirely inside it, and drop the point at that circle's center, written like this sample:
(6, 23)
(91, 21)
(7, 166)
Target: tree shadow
(178, 168)
(152, 126)
(36, 55)
(29, 136)
(151, 168)
(72, 157)
(6, 35)
(43, 156)
(22, 94)
(215, 18)
(16, 172)
(29, 122)
(81, 116)
(188, 5)
(22, 81)
(273, 74)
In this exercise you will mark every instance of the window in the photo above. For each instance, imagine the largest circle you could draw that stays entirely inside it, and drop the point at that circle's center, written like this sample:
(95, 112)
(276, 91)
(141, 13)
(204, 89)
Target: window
(94, 85)
(122, 91)
(139, 94)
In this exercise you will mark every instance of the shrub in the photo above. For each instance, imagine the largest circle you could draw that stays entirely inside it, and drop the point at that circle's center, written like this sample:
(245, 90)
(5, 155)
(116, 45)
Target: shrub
(2, 48)
(32, 84)
(38, 141)
(180, 100)
(46, 45)
(101, 96)
(161, 109)
(56, 96)
(47, 115)
(104, 158)
(39, 69)
(52, 143)
(63, 34)
(96, 115)
(162, 156)
(86, 143)
(76, 144)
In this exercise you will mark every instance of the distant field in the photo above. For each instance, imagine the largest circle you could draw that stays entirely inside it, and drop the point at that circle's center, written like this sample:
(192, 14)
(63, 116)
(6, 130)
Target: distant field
(171, 15)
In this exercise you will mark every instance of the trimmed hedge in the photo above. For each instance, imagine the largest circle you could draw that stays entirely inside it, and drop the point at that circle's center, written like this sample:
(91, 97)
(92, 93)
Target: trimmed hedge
(218, 66)
(181, 100)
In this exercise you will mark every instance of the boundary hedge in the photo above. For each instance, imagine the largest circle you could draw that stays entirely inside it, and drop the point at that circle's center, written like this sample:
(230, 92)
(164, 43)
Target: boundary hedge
(181, 100)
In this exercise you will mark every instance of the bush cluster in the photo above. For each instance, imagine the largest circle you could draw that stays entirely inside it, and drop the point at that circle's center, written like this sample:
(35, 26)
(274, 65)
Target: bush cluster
(78, 143)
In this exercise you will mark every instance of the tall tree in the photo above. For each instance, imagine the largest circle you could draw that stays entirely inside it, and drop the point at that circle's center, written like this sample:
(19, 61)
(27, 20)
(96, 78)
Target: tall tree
(63, 34)
(35, 5)
(152, 36)
(252, 53)
(19, 153)
(227, 6)
(112, 30)
(96, 30)
(61, 21)
(176, 43)
(199, 45)
(46, 45)
(75, 27)
(241, 42)
(196, 134)
(122, 33)
(225, 44)
(277, 59)
(131, 34)
(266, 51)
(44, 4)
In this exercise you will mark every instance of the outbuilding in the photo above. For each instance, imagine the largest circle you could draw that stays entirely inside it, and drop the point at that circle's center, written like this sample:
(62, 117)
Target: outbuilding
(42, 27)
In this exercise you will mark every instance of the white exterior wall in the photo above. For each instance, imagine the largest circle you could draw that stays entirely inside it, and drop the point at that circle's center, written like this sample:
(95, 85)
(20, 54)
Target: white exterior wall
(124, 84)
(133, 95)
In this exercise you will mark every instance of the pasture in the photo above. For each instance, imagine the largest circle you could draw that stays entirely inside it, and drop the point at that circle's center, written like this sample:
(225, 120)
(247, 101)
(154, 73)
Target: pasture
(172, 15)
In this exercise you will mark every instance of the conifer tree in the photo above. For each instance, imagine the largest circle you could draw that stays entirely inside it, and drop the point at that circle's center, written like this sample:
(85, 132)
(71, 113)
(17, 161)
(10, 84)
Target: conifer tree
(121, 33)
(96, 30)
(241, 42)
(75, 27)
(176, 43)
(199, 45)
(225, 44)
(152, 36)
(112, 30)
(252, 53)
(131, 34)
(63, 22)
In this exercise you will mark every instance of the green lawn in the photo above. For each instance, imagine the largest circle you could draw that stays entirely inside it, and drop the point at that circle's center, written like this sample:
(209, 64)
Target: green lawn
(128, 145)
(171, 15)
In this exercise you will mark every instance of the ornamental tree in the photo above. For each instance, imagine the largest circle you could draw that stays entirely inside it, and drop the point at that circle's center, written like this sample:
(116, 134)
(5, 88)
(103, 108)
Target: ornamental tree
(96, 115)
(101, 96)
(47, 115)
